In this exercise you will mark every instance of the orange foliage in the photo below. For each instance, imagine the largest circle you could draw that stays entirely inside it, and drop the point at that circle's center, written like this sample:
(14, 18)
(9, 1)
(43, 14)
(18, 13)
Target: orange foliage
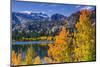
(59, 50)
(16, 59)
(49, 38)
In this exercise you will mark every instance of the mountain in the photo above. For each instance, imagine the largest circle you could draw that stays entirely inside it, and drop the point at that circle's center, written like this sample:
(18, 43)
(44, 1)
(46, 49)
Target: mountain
(93, 16)
(30, 16)
(73, 18)
(38, 24)
(15, 20)
(58, 17)
(25, 20)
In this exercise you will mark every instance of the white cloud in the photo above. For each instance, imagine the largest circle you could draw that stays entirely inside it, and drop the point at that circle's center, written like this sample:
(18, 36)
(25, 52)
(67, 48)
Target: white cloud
(86, 7)
(28, 12)
(77, 6)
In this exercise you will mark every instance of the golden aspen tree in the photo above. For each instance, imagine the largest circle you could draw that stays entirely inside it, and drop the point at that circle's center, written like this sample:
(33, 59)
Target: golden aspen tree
(19, 58)
(16, 59)
(84, 44)
(29, 55)
(59, 51)
(48, 60)
(37, 60)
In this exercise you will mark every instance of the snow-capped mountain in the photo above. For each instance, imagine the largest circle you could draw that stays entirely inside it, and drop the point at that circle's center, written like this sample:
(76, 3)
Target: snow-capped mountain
(41, 23)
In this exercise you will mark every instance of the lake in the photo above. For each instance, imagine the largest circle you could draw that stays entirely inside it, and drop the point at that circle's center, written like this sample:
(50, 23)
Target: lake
(31, 42)
(39, 49)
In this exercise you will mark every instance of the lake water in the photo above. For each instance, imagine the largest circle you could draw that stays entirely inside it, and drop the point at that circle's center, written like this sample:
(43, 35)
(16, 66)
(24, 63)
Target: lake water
(40, 50)
(31, 42)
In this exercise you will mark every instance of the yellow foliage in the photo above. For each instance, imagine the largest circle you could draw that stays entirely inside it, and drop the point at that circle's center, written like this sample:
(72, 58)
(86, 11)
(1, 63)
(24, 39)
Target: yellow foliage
(59, 50)
(37, 60)
(49, 60)
(16, 59)
(49, 38)
(29, 55)
(85, 38)
(43, 38)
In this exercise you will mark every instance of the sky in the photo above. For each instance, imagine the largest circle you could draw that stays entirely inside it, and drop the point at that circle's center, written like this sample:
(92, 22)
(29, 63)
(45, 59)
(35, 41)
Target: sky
(47, 8)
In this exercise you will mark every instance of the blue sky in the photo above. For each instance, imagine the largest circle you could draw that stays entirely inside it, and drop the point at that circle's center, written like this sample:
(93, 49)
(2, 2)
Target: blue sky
(47, 8)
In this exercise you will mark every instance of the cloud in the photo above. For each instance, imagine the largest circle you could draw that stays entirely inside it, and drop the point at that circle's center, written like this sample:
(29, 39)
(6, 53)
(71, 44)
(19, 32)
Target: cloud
(28, 12)
(87, 7)
(77, 6)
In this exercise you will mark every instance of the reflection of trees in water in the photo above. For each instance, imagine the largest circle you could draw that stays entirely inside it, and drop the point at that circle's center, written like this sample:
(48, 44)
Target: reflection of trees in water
(28, 50)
